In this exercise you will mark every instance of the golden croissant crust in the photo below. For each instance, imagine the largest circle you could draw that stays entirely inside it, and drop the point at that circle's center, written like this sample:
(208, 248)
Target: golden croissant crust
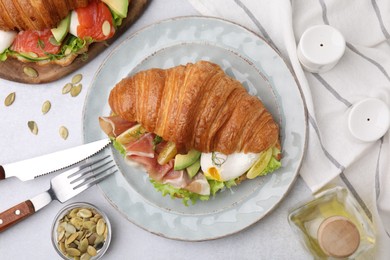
(196, 106)
(21, 15)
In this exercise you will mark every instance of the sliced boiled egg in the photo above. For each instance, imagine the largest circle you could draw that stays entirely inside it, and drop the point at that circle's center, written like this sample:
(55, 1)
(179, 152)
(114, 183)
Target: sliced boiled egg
(221, 167)
(7, 38)
(74, 23)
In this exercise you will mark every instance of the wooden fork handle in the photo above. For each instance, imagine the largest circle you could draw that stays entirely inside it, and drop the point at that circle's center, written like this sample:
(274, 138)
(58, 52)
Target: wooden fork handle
(15, 214)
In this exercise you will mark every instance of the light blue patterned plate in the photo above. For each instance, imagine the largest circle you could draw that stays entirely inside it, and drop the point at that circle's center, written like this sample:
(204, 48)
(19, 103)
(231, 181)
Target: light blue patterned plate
(244, 56)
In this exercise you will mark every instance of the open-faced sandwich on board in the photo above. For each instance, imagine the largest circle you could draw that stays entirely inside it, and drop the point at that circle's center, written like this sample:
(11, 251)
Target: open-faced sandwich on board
(56, 31)
(193, 128)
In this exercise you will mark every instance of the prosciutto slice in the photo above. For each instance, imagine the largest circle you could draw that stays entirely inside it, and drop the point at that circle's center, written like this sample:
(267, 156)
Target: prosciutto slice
(144, 152)
(178, 179)
(199, 185)
(156, 171)
(142, 147)
(114, 125)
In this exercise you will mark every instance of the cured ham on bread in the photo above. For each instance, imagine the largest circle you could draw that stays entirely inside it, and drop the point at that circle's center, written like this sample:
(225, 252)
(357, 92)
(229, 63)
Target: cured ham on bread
(197, 119)
(56, 31)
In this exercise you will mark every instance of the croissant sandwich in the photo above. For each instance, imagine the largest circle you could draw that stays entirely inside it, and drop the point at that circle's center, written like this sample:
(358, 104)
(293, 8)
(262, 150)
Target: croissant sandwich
(56, 31)
(193, 128)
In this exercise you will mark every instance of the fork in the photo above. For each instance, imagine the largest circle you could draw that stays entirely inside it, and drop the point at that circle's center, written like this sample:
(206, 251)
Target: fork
(62, 187)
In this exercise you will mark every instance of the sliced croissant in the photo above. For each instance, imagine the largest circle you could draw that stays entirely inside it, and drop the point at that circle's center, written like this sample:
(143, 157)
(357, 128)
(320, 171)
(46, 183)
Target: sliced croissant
(196, 106)
(21, 15)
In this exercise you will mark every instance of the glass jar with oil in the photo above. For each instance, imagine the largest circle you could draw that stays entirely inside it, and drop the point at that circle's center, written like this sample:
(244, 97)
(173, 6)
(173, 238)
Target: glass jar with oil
(333, 225)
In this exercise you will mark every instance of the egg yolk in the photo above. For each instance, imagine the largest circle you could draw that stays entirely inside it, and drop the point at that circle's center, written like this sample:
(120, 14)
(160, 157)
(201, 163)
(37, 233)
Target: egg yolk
(213, 173)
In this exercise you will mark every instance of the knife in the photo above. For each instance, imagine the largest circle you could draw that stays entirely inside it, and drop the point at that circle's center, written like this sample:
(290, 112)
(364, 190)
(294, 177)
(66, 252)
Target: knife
(41, 165)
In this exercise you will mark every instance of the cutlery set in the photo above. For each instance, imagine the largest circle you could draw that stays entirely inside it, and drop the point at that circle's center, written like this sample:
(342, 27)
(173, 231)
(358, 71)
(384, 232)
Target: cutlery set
(86, 168)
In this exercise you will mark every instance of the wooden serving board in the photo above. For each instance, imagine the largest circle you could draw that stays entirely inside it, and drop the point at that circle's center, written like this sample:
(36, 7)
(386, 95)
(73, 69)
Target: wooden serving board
(12, 69)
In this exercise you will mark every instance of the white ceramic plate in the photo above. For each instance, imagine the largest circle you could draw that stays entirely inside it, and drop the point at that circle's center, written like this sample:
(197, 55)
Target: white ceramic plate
(243, 55)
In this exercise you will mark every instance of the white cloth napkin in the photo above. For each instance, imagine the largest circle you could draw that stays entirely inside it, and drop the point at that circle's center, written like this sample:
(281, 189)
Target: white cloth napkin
(363, 71)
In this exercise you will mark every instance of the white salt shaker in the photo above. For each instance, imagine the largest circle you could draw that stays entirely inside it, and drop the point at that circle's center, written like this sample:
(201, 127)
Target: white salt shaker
(369, 119)
(320, 48)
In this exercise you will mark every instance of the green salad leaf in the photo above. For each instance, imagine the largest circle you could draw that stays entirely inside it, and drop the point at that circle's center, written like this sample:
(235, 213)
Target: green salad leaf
(273, 165)
(118, 147)
(4, 54)
(185, 195)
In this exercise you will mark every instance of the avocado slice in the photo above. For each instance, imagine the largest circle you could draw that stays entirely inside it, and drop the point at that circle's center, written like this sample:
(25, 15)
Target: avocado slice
(193, 169)
(62, 30)
(182, 161)
(118, 6)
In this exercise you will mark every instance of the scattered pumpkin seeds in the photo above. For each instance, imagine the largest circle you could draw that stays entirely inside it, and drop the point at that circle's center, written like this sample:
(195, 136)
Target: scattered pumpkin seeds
(32, 125)
(74, 87)
(9, 99)
(77, 235)
(66, 89)
(77, 78)
(76, 90)
(63, 132)
(32, 73)
(46, 107)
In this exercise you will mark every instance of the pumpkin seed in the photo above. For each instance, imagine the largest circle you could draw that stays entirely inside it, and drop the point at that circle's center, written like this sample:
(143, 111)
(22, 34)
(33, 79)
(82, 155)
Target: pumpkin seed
(105, 233)
(73, 212)
(83, 245)
(64, 132)
(77, 78)
(61, 235)
(32, 73)
(66, 89)
(60, 228)
(92, 238)
(71, 238)
(100, 227)
(76, 242)
(75, 91)
(70, 228)
(33, 127)
(9, 99)
(73, 252)
(85, 256)
(106, 28)
(62, 247)
(85, 213)
(91, 251)
(46, 106)
(77, 222)
(30, 54)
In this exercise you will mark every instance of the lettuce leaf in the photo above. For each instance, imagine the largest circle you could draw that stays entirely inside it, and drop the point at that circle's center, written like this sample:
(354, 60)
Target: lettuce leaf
(116, 18)
(118, 147)
(4, 55)
(185, 195)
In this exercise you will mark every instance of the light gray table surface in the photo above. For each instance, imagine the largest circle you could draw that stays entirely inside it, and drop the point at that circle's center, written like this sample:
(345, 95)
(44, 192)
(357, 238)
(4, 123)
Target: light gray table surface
(270, 238)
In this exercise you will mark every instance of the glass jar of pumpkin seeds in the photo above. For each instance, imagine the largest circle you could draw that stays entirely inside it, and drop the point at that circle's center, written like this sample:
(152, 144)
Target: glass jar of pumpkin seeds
(81, 231)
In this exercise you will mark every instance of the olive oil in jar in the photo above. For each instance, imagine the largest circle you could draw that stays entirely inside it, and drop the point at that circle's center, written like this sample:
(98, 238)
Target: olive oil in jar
(333, 225)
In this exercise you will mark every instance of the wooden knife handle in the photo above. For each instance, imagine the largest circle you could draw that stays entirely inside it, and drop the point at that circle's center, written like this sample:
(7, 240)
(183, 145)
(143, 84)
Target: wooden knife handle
(2, 173)
(16, 214)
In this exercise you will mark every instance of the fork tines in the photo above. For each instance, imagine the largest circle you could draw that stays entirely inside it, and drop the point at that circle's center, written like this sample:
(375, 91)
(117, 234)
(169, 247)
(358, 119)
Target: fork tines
(92, 172)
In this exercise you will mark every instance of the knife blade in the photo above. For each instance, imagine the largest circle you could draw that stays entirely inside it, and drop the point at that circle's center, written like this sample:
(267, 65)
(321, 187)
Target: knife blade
(41, 165)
